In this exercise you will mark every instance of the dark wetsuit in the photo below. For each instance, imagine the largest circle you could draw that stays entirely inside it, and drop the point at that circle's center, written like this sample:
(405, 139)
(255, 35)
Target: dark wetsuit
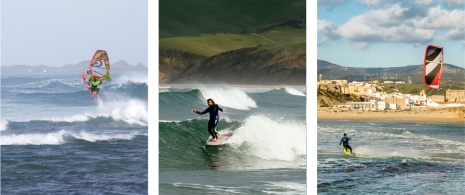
(214, 117)
(345, 143)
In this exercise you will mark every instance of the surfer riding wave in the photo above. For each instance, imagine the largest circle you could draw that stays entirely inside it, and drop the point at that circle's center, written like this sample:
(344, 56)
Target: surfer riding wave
(214, 117)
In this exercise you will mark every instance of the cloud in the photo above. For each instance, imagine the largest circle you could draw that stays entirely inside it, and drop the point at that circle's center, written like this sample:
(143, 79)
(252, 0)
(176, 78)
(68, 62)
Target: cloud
(371, 3)
(330, 4)
(438, 18)
(424, 2)
(453, 3)
(360, 46)
(326, 31)
(402, 24)
(384, 25)
(454, 35)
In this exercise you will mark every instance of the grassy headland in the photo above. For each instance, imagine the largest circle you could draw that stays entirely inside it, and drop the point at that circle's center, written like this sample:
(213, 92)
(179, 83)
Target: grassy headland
(262, 40)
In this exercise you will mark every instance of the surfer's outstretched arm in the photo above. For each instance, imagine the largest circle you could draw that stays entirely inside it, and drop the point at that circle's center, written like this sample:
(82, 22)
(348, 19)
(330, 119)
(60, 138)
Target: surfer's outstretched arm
(198, 112)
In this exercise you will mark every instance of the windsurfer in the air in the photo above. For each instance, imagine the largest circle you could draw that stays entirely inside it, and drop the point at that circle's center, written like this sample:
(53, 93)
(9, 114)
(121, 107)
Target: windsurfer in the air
(214, 117)
(345, 142)
(94, 82)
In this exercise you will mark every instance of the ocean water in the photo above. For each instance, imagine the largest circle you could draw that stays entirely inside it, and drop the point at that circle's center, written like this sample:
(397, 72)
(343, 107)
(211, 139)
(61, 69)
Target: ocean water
(391, 158)
(56, 139)
(266, 154)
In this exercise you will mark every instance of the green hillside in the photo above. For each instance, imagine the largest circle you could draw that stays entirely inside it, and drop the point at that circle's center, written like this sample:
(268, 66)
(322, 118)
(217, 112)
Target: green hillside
(211, 44)
(190, 18)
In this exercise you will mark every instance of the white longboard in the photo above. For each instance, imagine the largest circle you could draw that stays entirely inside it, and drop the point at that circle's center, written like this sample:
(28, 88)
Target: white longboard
(222, 136)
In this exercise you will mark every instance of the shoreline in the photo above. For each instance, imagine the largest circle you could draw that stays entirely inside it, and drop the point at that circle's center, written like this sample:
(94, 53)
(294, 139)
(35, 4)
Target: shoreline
(440, 115)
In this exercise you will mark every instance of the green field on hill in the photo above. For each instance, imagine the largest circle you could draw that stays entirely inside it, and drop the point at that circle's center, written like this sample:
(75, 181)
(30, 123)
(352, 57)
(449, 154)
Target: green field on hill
(192, 18)
(212, 44)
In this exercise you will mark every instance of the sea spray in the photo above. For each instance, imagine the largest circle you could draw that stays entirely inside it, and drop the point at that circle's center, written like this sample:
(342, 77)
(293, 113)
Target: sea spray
(228, 97)
(130, 77)
(293, 91)
(271, 140)
(131, 111)
(4, 125)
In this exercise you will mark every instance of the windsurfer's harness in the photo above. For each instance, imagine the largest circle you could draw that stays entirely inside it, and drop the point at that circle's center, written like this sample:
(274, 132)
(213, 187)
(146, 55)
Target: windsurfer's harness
(95, 83)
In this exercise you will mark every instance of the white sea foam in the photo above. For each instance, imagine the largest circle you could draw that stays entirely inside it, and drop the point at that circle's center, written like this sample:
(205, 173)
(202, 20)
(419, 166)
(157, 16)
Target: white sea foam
(134, 77)
(59, 137)
(271, 140)
(131, 111)
(293, 91)
(4, 125)
(228, 97)
(286, 188)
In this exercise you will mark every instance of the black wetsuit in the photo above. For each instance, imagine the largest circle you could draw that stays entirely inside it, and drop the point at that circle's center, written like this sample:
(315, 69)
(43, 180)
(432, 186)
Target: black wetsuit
(214, 117)
(345, 143)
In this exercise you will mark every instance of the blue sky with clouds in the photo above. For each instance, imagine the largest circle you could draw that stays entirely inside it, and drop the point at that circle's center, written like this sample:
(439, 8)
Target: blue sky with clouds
(389, 33)
(56, 33)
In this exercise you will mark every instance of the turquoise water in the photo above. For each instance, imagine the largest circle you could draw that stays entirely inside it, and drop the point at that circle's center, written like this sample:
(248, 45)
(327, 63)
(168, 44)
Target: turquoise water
(391, 158)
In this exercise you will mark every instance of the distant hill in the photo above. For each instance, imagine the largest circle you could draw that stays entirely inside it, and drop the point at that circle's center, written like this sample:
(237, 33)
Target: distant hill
(192, 18)
(79, 67)
(232, 41)
(253, 66)
(330, 71)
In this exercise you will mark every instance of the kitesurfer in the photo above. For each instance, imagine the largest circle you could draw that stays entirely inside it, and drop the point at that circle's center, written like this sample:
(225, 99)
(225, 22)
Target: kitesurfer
(214, 117)
(345, 142)
(94, 82)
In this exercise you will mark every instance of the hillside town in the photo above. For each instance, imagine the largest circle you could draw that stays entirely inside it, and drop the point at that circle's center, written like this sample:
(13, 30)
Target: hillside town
(375, 98)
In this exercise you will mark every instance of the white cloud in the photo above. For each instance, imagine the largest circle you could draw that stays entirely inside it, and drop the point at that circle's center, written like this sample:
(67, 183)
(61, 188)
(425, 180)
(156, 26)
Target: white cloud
(397, 23)
(453, 3)
(360, 46)
(383, 25)
(454, 35)
(327, 31)
(371, 3)
(424, 2)
(330, 4)
(438, 18)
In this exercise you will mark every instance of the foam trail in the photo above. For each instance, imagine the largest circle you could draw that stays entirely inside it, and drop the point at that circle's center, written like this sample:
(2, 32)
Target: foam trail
(54, 138)
(271, 140)
(57, 138)
(229, 97)
(293, 91)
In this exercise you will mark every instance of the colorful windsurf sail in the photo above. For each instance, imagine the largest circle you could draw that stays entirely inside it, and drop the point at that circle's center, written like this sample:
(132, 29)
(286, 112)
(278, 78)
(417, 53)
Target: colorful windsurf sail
(433, 65)
(99, 66)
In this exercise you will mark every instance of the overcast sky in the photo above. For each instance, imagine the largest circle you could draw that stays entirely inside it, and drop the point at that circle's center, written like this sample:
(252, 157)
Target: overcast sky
(59, 32)
(389, 33)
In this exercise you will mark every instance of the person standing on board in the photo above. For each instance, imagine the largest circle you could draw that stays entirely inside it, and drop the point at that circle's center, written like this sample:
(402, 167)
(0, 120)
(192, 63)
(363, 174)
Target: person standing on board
(214, 117)
(345, 142)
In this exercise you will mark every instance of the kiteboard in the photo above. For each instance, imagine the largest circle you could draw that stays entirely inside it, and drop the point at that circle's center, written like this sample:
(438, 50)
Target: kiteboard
(222, 136)
(88, 86)
(347, 151)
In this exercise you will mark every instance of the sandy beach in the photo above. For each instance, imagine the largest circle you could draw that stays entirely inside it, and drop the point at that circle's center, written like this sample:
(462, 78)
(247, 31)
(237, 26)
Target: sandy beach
(439, 115)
